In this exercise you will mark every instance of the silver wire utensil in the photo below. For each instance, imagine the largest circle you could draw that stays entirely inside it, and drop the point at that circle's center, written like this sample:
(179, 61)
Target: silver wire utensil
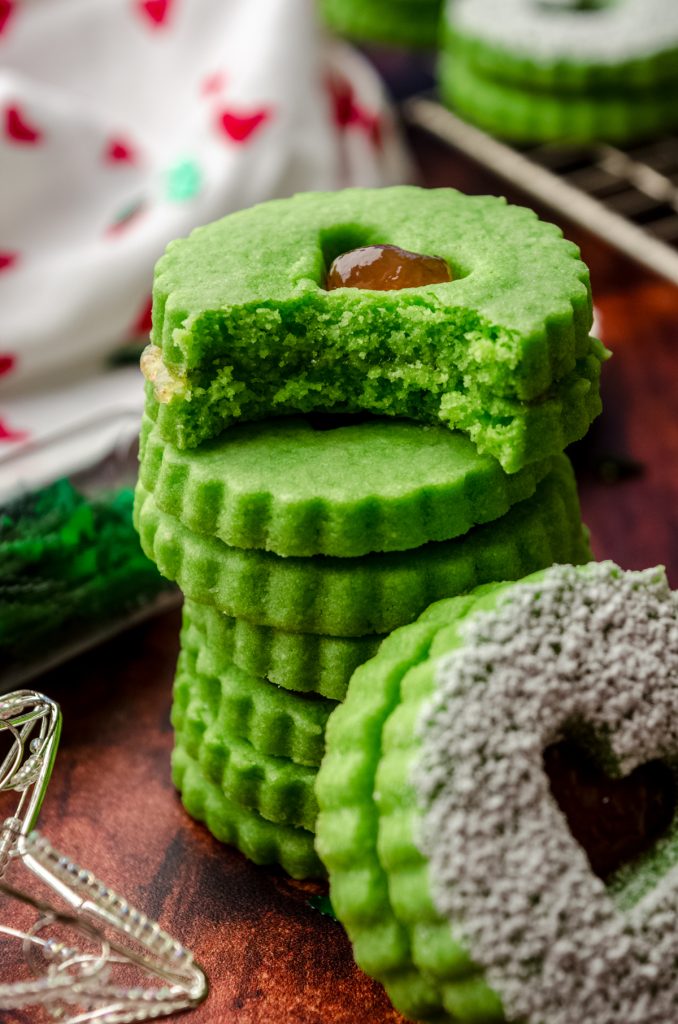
(91, 956)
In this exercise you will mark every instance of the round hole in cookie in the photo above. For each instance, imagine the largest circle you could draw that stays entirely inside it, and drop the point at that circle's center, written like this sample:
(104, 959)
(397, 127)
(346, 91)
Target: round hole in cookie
(355, 256)
(344, 238)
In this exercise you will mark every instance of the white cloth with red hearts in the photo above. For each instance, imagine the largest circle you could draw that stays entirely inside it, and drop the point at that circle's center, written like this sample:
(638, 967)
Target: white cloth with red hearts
(125, 123)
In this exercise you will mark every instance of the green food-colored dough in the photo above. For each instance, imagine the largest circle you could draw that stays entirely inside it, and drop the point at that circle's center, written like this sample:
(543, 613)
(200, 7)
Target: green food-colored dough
(243, 328)
(390, 22)
(274, 721)
(514, 432)
(525, 115)
(275, 787)
(261, 841)
(365, 830)
(374, 593)
(283, 486)
(348, 831)
(305, 662)
(435, 950)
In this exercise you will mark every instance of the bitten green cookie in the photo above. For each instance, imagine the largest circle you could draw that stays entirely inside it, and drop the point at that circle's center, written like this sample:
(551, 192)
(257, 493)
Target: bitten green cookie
(274, 721)
(473, 861)
(284, 486)
(275, 787)
(374, 593)
(305, 662)
(243, 328)
(261, 841)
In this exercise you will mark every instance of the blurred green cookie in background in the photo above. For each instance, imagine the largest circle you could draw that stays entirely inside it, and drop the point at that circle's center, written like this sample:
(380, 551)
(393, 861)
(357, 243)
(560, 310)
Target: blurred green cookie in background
(408, 23)
(578, 70)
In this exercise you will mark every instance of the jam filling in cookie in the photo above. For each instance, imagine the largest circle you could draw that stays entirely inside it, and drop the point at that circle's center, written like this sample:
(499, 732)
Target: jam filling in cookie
(386, 268)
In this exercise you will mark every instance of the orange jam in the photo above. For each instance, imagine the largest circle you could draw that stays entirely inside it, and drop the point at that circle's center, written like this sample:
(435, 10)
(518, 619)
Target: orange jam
(386, 268)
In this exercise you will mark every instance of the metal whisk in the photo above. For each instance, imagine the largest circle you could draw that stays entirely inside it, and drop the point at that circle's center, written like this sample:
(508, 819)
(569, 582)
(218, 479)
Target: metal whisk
(91, 956)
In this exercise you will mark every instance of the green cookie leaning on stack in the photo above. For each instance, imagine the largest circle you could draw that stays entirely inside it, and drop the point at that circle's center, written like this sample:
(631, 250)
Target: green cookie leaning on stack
(485, 856)
(324, 454)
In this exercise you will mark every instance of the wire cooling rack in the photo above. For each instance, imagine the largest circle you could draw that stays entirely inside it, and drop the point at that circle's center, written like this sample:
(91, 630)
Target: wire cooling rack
(627, 196)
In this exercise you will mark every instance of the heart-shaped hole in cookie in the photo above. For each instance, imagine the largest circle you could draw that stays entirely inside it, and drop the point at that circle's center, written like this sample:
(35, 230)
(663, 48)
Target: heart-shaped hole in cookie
(613, 819)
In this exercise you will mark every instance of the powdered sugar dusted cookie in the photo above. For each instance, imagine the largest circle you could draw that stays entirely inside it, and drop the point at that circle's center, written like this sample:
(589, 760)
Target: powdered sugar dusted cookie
(524, 803)
(606, 32)
(581, 656)
(582, 70)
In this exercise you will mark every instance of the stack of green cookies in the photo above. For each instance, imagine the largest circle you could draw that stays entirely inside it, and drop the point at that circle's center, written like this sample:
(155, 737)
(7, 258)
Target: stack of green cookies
(580, 70)
(318, 466)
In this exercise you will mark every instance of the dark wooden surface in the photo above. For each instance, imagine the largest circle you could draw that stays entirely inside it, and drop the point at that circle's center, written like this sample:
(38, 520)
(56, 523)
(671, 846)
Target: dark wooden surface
(269, 955)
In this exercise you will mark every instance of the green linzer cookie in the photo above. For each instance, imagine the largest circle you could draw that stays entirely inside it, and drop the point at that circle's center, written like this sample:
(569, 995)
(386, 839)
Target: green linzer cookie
(262, 842)
(409, 23)
(305, 662)
(285, 486)
(274, 721)
(374, 593)
(504, 875)
(245, 328)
